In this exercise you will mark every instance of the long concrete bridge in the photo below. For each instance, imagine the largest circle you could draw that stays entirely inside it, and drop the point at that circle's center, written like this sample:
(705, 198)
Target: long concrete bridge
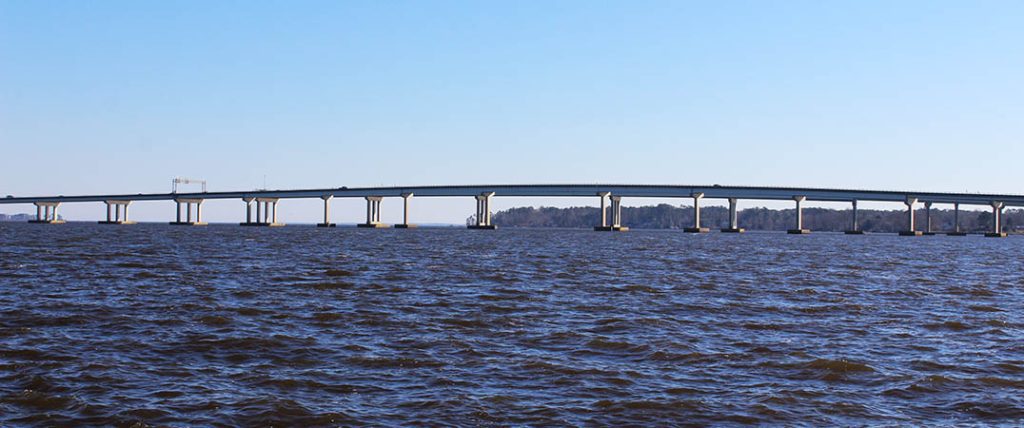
(261, 206)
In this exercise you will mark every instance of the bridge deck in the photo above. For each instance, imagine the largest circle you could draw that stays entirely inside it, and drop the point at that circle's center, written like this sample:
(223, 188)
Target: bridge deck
(561, 190)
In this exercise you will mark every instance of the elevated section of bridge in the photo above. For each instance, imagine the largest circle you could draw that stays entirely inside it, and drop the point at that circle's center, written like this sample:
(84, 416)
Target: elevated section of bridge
(564, 190)
(267, 201)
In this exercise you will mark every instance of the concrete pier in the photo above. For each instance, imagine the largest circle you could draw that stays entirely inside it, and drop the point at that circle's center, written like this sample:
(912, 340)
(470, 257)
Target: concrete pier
(956, 222)
(46, 213)
(117, 212)
(997, 221)
(799, 230)
(734, 222)
(696, 216)
(327, 212)
(483, 212)
(266, 212)
(406, 197)
(928, 219)
(855, 224)
(188, 220)
(911, 224)
(248, 210)
(616, 207)
(373, 213)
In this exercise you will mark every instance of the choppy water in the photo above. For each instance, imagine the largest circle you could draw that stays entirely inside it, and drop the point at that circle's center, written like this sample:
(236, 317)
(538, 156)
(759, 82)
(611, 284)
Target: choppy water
(302, 326)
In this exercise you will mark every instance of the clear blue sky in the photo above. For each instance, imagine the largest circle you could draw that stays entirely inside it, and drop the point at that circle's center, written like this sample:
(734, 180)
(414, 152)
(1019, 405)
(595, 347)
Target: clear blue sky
(121, 96)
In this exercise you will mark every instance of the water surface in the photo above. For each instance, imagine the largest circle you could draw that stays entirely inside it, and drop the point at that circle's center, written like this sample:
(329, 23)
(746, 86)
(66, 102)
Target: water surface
(226, 325)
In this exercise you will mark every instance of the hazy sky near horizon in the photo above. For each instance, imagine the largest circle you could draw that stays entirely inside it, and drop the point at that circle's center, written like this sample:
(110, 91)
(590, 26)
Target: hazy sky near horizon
(121, 96)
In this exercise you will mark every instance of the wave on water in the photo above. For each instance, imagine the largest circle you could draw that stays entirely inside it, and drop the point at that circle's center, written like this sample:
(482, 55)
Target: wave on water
(229, 326)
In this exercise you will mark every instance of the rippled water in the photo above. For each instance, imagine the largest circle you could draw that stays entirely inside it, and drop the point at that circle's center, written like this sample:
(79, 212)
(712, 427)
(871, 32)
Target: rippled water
(303, 326)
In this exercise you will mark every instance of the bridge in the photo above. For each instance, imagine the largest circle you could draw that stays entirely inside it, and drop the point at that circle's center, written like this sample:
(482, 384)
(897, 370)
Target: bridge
(261, 206)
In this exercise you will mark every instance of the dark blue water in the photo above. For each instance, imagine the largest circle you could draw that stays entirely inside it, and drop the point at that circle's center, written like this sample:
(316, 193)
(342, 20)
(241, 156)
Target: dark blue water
(226, 325)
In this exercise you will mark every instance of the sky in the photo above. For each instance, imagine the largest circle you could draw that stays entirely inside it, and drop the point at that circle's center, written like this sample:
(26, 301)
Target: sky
(122, 96)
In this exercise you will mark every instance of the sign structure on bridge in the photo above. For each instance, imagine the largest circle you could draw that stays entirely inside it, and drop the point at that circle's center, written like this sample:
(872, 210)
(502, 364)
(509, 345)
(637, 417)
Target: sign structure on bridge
(181, 180)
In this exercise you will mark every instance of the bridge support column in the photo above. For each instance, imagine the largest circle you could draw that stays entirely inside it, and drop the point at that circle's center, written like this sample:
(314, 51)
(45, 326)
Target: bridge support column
(616, 207)
(248, 212)
(956, 221)
(188, 221)
(266, 212)
(373, 213)
(406, 198)
(617, 214)
(327, 212)
(46, 213)
(799, 217)
(997, 221)
(483, 212)
(734, 218)
(855, 222)
(928, 219)
(696, 216)
(911, 224)
(119, 214)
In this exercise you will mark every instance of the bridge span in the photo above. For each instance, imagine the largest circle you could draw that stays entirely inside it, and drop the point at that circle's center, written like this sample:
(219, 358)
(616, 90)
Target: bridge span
(261, 205)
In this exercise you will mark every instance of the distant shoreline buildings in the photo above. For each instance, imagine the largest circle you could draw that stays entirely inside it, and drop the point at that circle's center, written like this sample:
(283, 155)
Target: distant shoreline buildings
(18, 217)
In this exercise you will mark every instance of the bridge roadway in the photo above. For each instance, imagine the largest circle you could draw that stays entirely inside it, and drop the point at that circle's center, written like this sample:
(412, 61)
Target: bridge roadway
(267, 199)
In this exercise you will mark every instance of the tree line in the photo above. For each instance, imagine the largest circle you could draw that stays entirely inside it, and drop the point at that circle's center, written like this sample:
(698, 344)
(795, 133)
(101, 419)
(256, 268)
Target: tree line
(665, 216)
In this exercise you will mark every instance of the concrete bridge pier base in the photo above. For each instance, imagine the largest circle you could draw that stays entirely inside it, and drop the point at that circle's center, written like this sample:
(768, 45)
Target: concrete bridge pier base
(373, 213)
(616, 208)
(956, 229)
(248, 212)
(734, 221)
(405, 213)
(604, 226)
(928, 219)
(46, 213)
(855, 226)
(696, 216)
(117, 212)
(911, 225)
(997, 221)
(188, 221)
(799, 217)
(266, 212)
(483, 213)
(327, 212)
